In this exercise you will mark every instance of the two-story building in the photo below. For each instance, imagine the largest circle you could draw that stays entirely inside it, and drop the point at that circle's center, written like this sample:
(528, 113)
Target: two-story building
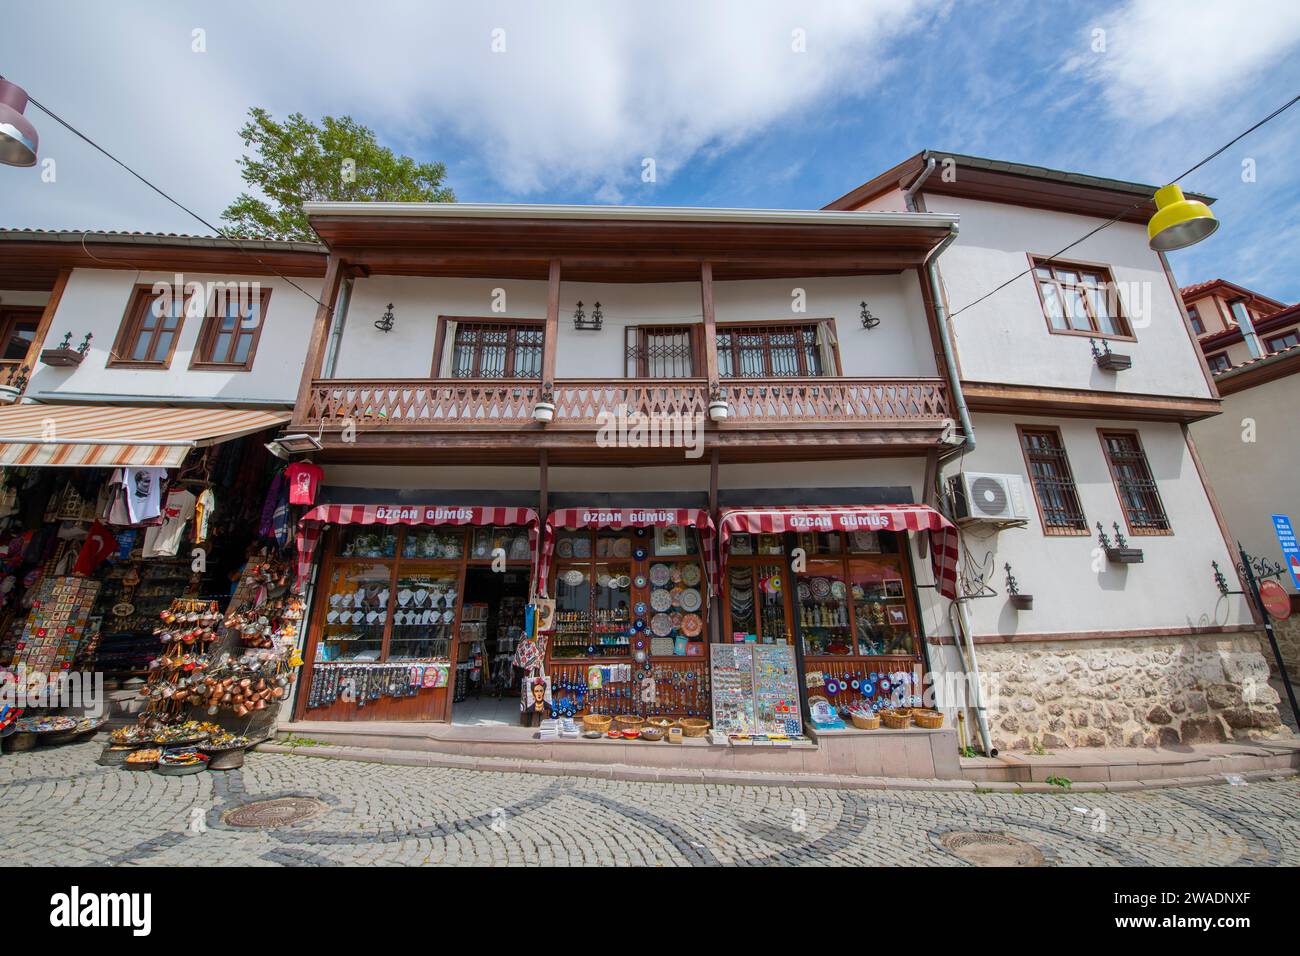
(1082, 374)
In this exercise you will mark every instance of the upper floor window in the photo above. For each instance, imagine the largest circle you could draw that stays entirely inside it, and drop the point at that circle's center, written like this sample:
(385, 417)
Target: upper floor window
(1219, 362)
(17, 332)
(481, 348)
(1194, 315)
(1138, 495)
(1286, 340)
(231, 329)
(663, 351)
(778, 350)
(1080, 298)
(150, 329)
(1053, 482)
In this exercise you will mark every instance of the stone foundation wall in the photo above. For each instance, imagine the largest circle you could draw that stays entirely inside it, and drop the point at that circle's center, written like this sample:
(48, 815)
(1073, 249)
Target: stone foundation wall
(1129, 693)
(1288, 641)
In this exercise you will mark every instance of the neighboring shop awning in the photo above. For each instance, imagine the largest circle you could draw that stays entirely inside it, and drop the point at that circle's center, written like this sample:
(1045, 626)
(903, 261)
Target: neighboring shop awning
(809, 518)
(109, 436)
(315, 521)
(571, 519)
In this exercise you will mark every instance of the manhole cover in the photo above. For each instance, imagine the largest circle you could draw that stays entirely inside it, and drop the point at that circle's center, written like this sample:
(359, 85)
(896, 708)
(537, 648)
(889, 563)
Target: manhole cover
(274, 813)
(991, 849)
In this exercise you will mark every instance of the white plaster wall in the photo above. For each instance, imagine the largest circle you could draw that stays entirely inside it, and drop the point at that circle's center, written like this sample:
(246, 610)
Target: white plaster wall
(1073, 589)
(95, 300)
(23, 297)
(1005, 338)
(899, 346)
(1254, 479)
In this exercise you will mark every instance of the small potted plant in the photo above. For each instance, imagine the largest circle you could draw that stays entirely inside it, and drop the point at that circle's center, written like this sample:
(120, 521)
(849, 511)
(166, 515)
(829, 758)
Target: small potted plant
(544, 410)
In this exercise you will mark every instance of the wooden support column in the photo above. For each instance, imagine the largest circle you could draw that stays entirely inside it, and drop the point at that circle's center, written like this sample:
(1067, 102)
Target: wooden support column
(543, 480)
(320, 333)
(552, 326)
(47, 319)
(928, 497)
(710, 324)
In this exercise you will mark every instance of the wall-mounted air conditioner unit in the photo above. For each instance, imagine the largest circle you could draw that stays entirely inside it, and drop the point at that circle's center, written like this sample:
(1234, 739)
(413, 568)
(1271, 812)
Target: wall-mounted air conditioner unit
(977, 496)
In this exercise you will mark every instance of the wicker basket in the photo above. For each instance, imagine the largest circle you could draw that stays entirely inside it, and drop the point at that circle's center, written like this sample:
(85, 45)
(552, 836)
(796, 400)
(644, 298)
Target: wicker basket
(628, 722)
(694, 726)
(661, 723)
(652, 733)
(927, 719)
(865, 721)
(896, 719)
(597, 722)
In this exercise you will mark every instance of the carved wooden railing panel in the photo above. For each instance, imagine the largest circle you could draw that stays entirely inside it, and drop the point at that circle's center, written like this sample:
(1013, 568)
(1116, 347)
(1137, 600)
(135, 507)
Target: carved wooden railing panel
(835, 401)
(424, 405)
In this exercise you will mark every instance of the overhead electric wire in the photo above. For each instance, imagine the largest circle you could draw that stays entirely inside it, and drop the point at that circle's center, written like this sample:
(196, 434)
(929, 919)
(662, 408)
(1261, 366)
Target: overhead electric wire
(175, 202)
(1137, 205)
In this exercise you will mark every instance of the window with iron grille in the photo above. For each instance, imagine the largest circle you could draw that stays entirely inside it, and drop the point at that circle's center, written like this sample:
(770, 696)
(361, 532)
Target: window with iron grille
(777, 350)
(663, 351)
(494, 349)
(1079, 299)
(1138, 494)
(1054, 490)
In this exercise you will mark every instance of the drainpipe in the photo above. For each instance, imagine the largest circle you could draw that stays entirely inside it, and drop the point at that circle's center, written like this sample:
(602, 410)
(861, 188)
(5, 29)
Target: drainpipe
(336, 335)
(910, 191)
(1248, 331)
(967, 444)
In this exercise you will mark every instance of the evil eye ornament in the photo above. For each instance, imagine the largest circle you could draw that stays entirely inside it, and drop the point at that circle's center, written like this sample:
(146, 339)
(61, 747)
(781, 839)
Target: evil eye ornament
(868, 688)
(640, 582)
(832, 688)
(640, 624)
(854, 683)
(640, 605)
(639, 554)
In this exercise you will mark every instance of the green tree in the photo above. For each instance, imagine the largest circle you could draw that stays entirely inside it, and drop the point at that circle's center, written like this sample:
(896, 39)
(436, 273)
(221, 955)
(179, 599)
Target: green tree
(298, 161)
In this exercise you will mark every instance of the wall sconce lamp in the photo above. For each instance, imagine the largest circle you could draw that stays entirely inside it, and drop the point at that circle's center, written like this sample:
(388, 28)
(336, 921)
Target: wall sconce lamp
(544, 410)
(719, 410)
(593, 324)
(869, 321)
(385, 322)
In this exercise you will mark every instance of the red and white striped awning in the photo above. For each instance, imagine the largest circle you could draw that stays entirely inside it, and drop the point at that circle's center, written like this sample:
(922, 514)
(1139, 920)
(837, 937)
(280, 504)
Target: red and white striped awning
(112, 436)
(807, 518)
(314, 522)
(571, 519)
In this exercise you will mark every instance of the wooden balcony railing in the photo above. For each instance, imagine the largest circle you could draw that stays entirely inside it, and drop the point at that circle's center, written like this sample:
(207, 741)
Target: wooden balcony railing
(455, 404)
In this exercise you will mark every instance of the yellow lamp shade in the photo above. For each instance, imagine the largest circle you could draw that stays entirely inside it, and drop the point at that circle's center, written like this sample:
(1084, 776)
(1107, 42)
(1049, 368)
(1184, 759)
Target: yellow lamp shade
(1179, 222)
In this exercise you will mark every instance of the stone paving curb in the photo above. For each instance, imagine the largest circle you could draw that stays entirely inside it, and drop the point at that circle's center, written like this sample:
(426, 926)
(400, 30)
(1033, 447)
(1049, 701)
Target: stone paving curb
(737, 778)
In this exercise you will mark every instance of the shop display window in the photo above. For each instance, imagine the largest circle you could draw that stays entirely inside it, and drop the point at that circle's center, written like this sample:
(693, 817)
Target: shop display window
(622, 592)
(367, 541)
(756, 602)
(356, 613)
(822, 598)
(423, 616)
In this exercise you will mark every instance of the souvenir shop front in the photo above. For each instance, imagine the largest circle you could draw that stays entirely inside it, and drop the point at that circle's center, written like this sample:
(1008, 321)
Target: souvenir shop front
(836, 582)
(133, 513)
(633, 590)
(415, 607)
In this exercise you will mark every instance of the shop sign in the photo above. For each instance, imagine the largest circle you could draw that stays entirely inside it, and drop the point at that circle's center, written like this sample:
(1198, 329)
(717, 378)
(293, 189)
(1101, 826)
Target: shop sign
(1290, 548)
(1275, 600)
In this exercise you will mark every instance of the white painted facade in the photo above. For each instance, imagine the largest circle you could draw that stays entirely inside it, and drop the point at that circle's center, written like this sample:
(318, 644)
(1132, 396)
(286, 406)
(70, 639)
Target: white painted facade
(1006, 339)
(96, 300)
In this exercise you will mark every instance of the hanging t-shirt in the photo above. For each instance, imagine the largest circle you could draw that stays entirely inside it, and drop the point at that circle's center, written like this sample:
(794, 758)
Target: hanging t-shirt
(164, 540)
(99, 544)
(203, 509)
(143, 498)
(304, 479)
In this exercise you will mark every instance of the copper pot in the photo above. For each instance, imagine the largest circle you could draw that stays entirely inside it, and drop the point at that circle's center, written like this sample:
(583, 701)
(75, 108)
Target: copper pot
(241, 711)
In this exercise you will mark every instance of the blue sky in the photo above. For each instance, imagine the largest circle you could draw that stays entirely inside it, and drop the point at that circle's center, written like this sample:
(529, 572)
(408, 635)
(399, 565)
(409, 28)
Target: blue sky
(767, 104)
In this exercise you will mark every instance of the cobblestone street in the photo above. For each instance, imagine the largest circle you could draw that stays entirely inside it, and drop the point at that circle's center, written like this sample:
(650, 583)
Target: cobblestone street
(58, 806)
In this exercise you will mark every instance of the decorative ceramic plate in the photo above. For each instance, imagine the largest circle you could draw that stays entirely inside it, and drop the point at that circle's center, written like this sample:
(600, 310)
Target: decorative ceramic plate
(661, 600)
(622, 582)
(690, 574)
(582, 547)
(838, 590)
(603, 579)
(573, 578)
(622, 548)
(692, 625)
(660, 574)
(821, 588)
(805, 592)
(691, 600)
(661, 625)
(565, 548)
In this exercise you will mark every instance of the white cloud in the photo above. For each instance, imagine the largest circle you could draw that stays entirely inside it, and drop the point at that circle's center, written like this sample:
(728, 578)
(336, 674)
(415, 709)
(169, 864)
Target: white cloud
(581, 94)
(1161, 58)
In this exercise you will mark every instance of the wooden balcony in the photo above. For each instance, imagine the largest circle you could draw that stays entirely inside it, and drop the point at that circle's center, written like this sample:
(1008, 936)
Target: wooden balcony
(497, 414)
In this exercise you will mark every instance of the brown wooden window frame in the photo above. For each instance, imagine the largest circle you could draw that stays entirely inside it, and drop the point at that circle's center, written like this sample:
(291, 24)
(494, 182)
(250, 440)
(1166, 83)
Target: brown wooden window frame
(201, 358)
(636, 358)
(10, 319)
(1272, 344)
(765, 328)
(1106, 285)
(1155, 504)
(1068, 486)
(442, 344)
(1218, 362)
(141, 300)
(1194, 316)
